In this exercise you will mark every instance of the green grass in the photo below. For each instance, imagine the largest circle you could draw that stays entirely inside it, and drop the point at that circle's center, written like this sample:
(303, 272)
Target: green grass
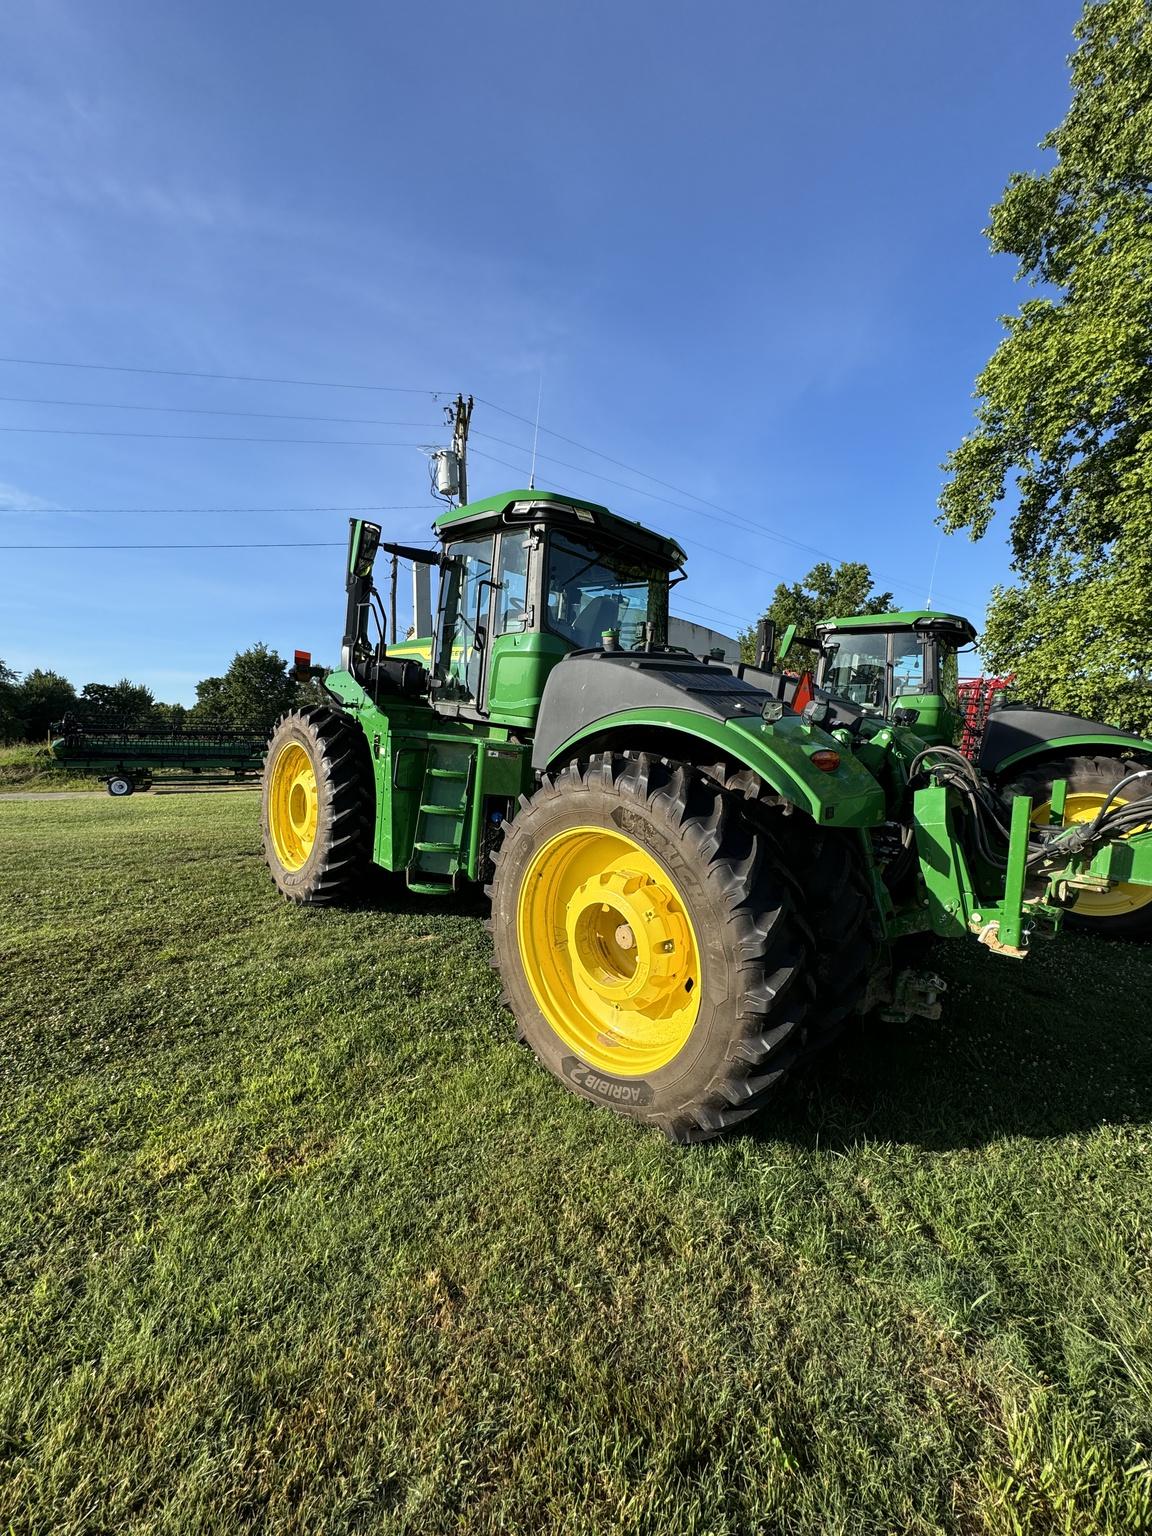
(27, 766)
(296, 1239)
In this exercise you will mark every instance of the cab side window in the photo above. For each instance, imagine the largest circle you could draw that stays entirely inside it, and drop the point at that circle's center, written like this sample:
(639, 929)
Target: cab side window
(511, 612)
(469, 591)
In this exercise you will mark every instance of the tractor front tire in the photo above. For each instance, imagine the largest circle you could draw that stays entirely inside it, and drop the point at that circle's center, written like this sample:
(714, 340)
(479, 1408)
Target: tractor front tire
(316, 807)
(651, 945)
(1124, 911)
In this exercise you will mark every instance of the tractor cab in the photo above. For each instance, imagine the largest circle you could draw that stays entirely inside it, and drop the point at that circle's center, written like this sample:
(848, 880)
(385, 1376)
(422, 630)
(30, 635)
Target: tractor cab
(526, 577)
(886, 663)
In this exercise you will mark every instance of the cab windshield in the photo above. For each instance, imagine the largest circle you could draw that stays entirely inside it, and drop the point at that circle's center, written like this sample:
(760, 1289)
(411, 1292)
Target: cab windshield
(858, 667)
(591, 590)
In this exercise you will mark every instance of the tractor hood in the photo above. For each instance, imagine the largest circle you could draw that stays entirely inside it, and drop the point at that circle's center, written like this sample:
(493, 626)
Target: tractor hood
(654, 694)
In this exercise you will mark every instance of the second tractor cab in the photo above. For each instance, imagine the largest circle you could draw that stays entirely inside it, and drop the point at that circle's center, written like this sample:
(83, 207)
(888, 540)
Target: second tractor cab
(885, 662)
(903, 668)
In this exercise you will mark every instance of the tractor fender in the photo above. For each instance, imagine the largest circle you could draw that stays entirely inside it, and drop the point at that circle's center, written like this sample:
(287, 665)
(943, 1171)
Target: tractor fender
(1017, 735)
(671, 702)
(779, 752)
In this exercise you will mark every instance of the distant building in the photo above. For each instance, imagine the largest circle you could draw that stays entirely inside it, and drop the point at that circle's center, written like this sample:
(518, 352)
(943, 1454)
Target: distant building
(700, 640)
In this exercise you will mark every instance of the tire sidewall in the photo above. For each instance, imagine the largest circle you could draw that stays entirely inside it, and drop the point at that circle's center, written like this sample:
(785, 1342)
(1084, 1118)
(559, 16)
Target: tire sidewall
(295, 731)
(688, 1077)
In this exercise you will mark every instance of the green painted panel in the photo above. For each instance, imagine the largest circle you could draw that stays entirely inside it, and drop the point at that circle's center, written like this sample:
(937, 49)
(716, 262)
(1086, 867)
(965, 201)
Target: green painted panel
(1128, 860)
(519, 667)
(937, 722)
(943, 867)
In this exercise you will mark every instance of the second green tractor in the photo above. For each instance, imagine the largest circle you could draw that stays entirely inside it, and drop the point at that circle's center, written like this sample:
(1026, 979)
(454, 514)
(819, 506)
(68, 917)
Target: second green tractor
(693, 885)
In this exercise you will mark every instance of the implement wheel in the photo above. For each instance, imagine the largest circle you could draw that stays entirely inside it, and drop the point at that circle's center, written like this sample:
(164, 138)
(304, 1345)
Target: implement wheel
(1123, 911)
(315, 813)
(649, 942)
(120, 784)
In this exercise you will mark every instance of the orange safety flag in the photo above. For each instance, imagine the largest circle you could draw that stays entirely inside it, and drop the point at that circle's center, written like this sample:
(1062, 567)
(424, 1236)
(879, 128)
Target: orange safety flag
(803, 694)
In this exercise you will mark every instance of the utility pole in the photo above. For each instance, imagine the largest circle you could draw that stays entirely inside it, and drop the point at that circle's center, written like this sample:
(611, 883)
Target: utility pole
(461, 415)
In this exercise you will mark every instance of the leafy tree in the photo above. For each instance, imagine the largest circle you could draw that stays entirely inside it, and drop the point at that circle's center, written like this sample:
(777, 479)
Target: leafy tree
(11, 726)
(209, 706)
(826, 592)
(309, 693)
(169, 717)
(122, 703)
(1065, 403)
(41, 699)
(252, 695)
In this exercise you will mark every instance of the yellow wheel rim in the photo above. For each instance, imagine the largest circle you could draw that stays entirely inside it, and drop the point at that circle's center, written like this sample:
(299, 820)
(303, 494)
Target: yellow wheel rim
(292, 806)
(609, 950)
(1118, 900)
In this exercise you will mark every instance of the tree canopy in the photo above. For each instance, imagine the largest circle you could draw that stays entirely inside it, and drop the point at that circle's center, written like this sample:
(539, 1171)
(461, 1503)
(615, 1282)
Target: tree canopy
(1065, 403)
(42, 698)
(827, 592)
(251, 696)
(11, 725)
(122, 703)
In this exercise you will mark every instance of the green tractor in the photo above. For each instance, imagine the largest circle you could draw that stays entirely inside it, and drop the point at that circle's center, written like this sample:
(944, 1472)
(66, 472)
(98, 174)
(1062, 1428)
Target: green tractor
(693, 886)
(905, 667)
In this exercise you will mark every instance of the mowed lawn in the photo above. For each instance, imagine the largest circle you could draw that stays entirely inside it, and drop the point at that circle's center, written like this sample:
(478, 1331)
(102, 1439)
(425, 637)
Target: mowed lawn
(296, 1239)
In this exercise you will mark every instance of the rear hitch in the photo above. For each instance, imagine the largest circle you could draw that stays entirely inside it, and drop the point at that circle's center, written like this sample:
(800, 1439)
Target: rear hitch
(915, 994)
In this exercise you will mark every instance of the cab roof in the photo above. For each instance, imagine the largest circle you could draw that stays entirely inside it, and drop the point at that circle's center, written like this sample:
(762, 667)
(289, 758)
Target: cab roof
(553, 506)
(908, 618)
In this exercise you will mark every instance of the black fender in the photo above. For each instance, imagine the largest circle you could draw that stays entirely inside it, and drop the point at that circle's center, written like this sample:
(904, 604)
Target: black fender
(1017, 735)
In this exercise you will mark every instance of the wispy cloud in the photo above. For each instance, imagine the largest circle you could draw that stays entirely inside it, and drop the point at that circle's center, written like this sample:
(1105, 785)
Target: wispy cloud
(13, 498)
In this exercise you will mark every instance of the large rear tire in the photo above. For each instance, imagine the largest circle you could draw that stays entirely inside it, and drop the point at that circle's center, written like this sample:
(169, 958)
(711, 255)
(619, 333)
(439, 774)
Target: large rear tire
(1124, 911)
(651, 944)
(316, 807)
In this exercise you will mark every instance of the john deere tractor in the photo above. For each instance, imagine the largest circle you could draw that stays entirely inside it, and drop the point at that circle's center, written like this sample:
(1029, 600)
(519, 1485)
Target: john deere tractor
(904, 666)
(693, 885)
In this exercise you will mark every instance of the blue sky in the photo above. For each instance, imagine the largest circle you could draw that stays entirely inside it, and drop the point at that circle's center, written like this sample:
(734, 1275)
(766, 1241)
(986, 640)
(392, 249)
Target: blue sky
(740, 243)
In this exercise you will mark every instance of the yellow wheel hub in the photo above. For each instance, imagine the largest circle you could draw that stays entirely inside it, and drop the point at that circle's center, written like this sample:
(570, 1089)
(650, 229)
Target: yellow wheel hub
(1118, 900)
(292, 806)
(609, 950)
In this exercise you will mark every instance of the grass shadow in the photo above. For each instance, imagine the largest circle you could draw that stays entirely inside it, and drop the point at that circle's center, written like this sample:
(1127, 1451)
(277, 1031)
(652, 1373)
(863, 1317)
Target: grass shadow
(1055, 1045)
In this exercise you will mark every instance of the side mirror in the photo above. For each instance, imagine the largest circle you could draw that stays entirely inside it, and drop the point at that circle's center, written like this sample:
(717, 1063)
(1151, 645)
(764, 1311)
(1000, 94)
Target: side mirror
(365, 543)
(765, 644)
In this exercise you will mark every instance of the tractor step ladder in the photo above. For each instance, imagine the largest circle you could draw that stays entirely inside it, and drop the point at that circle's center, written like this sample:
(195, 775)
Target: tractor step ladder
(438, 848)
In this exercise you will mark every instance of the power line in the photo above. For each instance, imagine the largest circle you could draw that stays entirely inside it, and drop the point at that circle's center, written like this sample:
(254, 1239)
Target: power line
(685, 538)
(396, 389)
(739, 519)
(195, 511)
(193, 410)
(735, 518)
(236, 378)
(725, 613)
(202, 437)
(742, 560)
(324, 545)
